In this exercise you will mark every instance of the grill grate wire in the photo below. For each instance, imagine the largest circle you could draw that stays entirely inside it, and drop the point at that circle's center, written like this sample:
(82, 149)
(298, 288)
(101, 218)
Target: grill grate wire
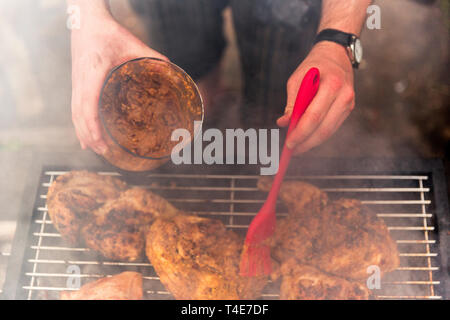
(401, 200)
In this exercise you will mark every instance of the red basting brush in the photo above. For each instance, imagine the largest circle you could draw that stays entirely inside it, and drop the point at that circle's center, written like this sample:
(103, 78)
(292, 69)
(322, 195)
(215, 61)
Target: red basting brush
(255, 258)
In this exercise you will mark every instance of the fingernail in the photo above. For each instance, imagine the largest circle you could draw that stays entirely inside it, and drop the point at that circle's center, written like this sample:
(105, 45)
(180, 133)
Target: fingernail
(103, 149)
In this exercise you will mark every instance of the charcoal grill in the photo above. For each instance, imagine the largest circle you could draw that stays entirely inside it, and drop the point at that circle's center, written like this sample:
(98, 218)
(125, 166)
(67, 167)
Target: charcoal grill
(409, 195)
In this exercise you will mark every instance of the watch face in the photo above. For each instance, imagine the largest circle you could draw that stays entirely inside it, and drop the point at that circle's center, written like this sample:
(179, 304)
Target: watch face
(358, 51)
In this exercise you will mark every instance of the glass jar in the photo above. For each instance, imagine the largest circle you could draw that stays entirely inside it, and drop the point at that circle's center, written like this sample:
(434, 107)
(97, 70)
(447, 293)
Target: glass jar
(141, 103)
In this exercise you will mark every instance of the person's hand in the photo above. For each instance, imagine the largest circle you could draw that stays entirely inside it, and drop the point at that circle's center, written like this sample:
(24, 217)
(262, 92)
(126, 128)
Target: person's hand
(98, 46)
(332, 104)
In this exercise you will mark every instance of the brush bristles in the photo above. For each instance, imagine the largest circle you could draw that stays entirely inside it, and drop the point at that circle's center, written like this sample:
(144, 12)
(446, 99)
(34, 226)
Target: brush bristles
(255, 261)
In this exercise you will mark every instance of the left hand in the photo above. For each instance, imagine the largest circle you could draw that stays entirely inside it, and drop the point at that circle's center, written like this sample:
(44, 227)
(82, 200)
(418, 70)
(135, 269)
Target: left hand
(332, 104)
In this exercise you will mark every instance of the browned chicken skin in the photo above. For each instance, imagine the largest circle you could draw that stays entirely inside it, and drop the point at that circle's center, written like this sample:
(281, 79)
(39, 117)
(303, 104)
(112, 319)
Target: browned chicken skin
(308, 283)
(104, 214)
(198, 258)
(339, 238)
(123, 286)
(295, 234)
(72, 197)
(352, 238)
(117, 230)
(323, 247)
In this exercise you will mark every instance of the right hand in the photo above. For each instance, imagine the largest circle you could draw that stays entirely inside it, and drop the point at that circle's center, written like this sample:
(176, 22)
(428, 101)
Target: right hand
(99, 45)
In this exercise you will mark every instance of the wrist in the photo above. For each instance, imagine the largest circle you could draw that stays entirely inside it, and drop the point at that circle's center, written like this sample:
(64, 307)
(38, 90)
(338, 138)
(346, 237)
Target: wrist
(347, 28)
(95, 23)
(91, 10)
(333, 52)
(350, 42)
(333, 49)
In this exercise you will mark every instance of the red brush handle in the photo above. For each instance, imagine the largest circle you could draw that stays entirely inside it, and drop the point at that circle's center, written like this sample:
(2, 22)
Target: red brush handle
(306, 93)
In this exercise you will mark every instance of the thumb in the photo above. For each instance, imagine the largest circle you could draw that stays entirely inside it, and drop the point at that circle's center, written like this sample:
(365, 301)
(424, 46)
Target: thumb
(292, 87)
(283, 121)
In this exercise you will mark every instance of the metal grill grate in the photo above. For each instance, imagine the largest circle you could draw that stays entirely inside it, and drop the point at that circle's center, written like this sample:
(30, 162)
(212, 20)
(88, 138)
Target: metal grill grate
(403, 201)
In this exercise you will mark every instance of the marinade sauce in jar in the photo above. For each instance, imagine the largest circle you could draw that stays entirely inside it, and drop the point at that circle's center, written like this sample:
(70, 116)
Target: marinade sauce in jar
(141, 103)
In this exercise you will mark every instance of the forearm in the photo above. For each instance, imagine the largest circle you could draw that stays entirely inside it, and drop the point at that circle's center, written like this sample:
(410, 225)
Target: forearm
(344, 15)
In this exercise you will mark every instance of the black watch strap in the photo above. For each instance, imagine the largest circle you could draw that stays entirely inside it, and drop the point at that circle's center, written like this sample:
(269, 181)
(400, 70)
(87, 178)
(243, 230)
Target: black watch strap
(333, 35)
(347, 40)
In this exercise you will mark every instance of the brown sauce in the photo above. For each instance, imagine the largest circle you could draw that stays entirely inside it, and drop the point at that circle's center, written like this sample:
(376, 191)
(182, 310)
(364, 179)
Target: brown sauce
(144, 101)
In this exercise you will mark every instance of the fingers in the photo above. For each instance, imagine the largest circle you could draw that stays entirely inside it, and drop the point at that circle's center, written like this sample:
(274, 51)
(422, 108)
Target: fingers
(88, 132)
(78, 133)
(85, 118)
(338, 113)
(76, 117)
(82, 132)
(283, 121)
(92, 122)
(292, 87)
(96, 54)
(313, 116)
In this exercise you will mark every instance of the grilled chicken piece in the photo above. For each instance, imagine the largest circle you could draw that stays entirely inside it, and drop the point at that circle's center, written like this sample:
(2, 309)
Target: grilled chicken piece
(123, 286)
(104, 213)
(302, 199)
(341, 237)
(302, 282)
(73, 196)
(117, 231)
(286, 245)
(358, 240)
(294, 234)
(198, 258)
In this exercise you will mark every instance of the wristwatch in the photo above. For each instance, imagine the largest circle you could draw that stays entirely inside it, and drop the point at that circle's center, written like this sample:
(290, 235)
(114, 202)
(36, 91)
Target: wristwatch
(350, 41)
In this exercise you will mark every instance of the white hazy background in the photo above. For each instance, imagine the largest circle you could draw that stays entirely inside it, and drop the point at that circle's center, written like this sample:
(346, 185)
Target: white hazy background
(401, 99)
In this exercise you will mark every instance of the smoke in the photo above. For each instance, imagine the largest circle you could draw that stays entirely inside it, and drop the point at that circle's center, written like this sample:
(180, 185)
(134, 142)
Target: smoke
(402, 94)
